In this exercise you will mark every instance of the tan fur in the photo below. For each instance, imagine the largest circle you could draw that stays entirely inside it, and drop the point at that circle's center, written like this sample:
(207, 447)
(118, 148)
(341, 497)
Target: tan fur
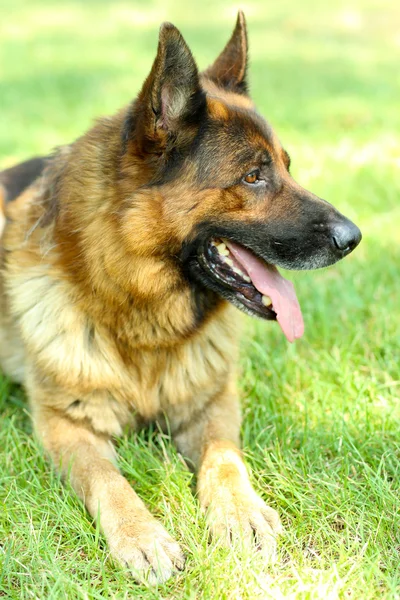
(97, 323)
(2, 209)
(83, 389)
(226, 96)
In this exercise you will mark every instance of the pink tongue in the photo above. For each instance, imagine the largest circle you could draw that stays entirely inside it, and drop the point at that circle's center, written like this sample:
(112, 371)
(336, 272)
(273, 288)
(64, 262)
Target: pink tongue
(268, 281)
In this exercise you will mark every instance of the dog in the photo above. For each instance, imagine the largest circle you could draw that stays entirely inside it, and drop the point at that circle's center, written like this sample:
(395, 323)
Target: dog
(123, 259)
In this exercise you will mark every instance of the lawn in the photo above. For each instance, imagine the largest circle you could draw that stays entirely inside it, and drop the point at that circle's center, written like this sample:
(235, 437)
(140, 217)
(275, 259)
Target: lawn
(321, 424)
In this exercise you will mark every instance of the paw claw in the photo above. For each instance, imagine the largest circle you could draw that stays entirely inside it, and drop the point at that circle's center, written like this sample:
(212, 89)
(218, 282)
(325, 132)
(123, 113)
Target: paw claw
(245, 518)
(149, 552)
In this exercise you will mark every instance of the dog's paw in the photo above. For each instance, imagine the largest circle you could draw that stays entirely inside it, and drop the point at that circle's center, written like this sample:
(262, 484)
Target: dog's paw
(241, 516)
(147, 550)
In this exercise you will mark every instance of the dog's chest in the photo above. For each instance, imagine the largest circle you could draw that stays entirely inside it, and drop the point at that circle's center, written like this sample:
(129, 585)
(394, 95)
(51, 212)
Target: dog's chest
(172, 383)
(93, 379)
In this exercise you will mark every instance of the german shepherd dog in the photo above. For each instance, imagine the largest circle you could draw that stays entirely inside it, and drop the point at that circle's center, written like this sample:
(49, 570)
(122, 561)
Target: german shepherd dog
(122, 255)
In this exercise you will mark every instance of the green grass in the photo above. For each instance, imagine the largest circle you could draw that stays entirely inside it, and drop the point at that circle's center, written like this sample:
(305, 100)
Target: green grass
(321, 418)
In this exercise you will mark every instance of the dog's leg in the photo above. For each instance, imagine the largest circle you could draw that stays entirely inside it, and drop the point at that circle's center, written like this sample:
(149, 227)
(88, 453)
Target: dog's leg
(233, 508)
(135, 537)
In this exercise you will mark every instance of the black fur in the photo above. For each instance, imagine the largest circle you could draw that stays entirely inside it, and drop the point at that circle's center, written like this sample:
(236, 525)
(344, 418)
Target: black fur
(16, 179)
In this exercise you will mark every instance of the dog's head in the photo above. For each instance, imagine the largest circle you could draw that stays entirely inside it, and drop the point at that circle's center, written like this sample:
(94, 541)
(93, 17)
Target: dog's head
(216, 178)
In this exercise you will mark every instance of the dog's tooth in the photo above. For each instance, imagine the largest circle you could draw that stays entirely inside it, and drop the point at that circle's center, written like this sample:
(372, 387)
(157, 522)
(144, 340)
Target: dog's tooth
(222, 249)
(266, 300)
(242, 275)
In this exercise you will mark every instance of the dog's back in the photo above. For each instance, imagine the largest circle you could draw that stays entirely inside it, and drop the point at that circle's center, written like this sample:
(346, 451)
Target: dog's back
(15, 180)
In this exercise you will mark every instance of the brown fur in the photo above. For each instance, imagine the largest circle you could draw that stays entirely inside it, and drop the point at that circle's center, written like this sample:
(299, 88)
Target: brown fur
(99, 321)
(2, 208)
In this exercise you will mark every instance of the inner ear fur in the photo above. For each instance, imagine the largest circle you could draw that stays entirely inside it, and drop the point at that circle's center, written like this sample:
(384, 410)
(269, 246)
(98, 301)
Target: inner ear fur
(171, 99)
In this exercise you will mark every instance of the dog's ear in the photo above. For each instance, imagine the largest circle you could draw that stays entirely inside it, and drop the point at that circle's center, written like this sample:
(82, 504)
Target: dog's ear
(230, 69)
(171, 98)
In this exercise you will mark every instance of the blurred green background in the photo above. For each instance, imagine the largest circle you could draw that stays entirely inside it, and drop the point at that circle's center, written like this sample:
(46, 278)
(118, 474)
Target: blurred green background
(321, 426)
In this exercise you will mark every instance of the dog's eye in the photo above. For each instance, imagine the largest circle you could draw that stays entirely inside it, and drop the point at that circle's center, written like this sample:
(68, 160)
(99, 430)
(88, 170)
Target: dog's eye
(252, 177)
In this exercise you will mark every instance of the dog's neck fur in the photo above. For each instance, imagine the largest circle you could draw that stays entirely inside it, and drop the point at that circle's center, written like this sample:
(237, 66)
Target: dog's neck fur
(118, 287)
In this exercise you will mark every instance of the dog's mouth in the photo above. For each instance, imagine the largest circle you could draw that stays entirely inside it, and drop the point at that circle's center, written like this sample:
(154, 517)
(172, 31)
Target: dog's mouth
(257, 286)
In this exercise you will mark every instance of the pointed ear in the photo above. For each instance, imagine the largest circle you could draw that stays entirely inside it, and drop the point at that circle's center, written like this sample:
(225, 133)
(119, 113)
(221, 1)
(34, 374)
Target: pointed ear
(171, 97)
(229, 70)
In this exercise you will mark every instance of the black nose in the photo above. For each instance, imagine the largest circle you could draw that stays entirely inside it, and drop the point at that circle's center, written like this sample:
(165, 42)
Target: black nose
(345, 237)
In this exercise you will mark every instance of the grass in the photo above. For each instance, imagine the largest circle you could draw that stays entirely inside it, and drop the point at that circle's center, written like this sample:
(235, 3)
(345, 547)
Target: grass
(321, 418)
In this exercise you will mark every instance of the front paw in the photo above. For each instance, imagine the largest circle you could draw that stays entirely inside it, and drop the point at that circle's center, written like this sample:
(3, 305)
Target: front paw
(235, 513)
(147, 549)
